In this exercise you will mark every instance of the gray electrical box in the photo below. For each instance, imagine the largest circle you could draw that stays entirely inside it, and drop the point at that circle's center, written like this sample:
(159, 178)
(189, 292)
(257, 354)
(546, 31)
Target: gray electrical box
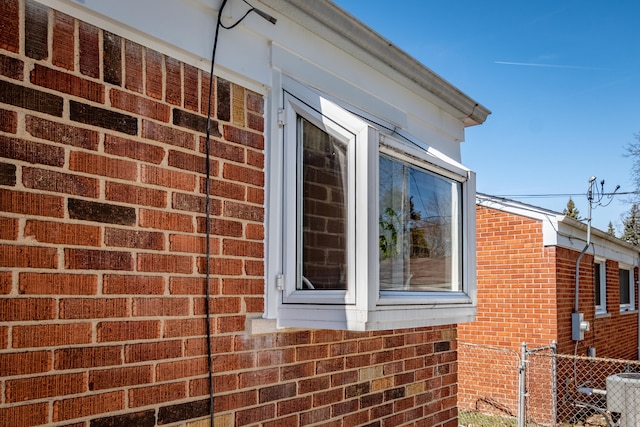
(578, 326)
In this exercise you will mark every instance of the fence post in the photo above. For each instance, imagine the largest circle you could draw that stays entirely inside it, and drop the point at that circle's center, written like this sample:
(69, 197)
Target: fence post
(554, 383)
(522, 391)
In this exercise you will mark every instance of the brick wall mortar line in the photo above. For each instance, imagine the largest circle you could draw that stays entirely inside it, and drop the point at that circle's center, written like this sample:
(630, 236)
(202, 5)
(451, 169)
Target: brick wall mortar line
(123, 69)
(164, 78)
(21, 37)
(14, 291)
(144, 71)
(50, 19)
(102, 183)
(20, 129)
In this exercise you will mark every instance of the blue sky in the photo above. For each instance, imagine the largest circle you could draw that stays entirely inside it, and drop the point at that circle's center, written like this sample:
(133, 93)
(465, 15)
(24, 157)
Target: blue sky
(562, 79)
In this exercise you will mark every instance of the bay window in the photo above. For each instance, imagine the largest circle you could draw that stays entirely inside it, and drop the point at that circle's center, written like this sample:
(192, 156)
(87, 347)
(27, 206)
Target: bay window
(377, 230)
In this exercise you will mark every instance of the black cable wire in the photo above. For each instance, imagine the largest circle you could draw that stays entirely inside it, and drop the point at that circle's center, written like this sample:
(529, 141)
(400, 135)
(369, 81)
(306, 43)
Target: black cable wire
(208, 218)
(264, 15)
(552, 195)
(219, 25)
(235, 24)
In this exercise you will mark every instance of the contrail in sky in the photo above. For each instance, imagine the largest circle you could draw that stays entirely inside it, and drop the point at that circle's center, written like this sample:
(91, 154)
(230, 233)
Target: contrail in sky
(530, 64)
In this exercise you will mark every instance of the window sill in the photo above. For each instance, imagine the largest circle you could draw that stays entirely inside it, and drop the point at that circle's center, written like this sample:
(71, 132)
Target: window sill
(381, 318)
(625, 312)
(603, 315)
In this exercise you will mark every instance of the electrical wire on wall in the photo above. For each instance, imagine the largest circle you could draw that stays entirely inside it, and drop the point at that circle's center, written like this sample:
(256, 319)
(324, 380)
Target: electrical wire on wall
(219, 25)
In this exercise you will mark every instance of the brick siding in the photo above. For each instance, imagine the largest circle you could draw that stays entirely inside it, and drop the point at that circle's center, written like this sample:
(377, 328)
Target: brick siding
(526, 293)
(102, 254)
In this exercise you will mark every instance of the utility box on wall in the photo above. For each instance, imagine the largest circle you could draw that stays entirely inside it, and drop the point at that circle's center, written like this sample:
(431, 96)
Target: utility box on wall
(578, 326)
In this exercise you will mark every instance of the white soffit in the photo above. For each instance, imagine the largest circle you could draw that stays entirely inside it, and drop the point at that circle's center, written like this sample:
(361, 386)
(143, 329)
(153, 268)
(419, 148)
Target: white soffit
(338, 27)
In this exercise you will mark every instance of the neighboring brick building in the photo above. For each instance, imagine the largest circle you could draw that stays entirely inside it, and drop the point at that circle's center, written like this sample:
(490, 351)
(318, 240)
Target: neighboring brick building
(102, 219)
(526, 293)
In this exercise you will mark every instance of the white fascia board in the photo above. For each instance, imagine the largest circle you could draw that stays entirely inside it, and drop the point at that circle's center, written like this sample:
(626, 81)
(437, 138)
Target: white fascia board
(517, 208)
(572, 234)
(426, 118)
(560, 230)
(549, 219)
(338, 27)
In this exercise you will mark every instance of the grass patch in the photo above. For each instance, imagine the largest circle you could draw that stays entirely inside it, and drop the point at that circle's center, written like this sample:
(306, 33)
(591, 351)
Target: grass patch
(476, 419)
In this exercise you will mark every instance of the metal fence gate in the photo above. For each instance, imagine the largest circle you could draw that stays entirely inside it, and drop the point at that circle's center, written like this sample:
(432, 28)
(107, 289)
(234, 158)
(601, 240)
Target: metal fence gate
(537, 387)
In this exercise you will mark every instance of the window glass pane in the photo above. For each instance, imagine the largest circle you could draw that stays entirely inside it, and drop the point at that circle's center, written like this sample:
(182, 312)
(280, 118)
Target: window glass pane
(625, 295)
(420, 229)
(598, 285)
(323, 209)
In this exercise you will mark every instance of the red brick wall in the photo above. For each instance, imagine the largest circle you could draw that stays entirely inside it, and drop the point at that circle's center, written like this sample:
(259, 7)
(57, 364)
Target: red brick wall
(516, 303)
(102, 315)
(614, 335)
(526, 293)
(516, 283)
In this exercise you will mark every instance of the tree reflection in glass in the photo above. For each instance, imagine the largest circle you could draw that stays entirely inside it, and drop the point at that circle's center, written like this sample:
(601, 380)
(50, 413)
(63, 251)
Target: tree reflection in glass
(420, 229)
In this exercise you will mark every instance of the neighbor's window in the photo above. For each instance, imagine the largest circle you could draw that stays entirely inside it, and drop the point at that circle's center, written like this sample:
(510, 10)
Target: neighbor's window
(600, 275)
(420, 221)
(627, 294)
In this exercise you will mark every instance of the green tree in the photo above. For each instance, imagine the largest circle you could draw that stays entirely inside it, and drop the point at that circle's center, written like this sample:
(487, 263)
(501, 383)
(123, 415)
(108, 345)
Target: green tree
(610, 230)
(390, 221)
(571, 210)
(631, 225)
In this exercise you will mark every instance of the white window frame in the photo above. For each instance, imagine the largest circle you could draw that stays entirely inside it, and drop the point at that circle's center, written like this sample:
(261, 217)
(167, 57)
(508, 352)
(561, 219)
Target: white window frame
(362, 306)
(632, 295)
(602, 289)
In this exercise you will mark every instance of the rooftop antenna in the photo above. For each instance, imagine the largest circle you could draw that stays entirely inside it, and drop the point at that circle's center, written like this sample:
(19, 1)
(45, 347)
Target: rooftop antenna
(596, 197)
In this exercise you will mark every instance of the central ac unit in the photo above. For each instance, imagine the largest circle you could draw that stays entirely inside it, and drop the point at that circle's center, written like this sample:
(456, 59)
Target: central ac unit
(623, 397)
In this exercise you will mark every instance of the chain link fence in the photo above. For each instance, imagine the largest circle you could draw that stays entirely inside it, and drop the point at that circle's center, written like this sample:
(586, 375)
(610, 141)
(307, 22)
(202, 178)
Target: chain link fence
(588, 391)
(487, 385)
(537, 387)
(541, 387)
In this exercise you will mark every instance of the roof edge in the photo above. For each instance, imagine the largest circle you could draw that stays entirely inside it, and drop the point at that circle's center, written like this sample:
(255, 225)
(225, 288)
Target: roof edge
(579, 225)
(553, 218)
(337, 26)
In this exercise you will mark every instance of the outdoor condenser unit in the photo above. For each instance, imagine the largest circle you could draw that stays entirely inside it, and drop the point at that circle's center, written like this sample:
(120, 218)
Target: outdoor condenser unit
(623, 396)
